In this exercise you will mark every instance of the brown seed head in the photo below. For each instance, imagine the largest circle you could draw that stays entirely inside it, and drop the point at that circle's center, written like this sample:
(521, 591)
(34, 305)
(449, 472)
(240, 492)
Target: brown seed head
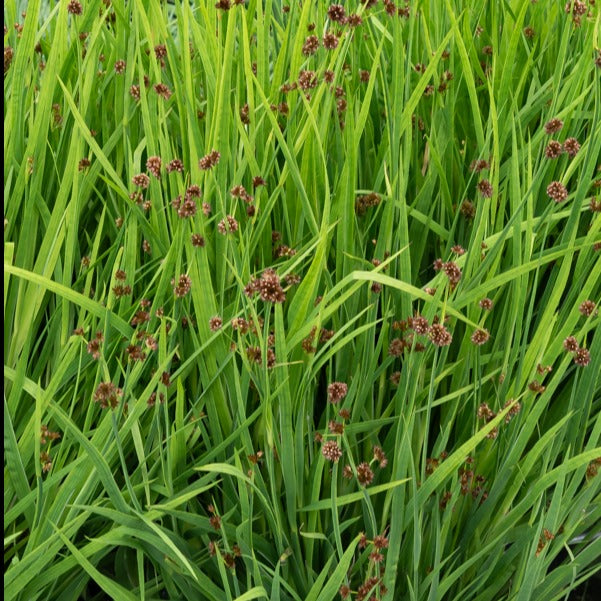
(183, 286)
(337, 13)
(337, 391)
(74, 7)
(587, 308)
(107, 395)
(485, 188)
(582, 357)
(480, 337)
(330, 41)
(175, 165)
(210, 160)
(571, 344)
(365, 476)
(553, 149)
(439, 335)
(571, 146)
(141, 180)
(553, 126)
(331, 451)
(215, 323)
(557, 191)
(153, 164)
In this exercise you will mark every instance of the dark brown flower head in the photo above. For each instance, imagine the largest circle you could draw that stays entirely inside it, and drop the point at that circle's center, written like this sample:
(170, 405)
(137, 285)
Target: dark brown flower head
(229, 225)
(347, 472)
(478, 165)
(582, 357)
(513, 411)
(529, 32)
(163, 91)
(83, 164)
(553, 149)
(258, 181)
(119, 67)
(467, 209)
(453, 272)
(365, 476)
(337, 13)
(120, 291)
(175, 165)
(419, 324)
(141, 180)
(328, 76)
(396, 347)
(487, 50)
(485, 188)
(94, 345)
(307, 80)
(337, 391)
(571, 344)
(335, 427)
(311, 45)
(135, 353)
(186, 209)
(485, 412)
(183, 286)
(553, 126)
(244, 114)
(238, 191)
(160, 51)
(395, 378)
(107, 395)
(8, 57)
(366, 201)
(587, 308)
(75, 7)
(269, 287)
(153, 165)
(439, 335)
(223, 5)
(134, 92)
(354, 20)
(344, 414)
(344, 591)
(197, 240)
(215, 323)
(480, 337)
(331, 451)
(363, 75)
(210, 160)
(380, 456)
(486, 304)
(557, 191)
(330, 41)
(571, 146)
(458, 250)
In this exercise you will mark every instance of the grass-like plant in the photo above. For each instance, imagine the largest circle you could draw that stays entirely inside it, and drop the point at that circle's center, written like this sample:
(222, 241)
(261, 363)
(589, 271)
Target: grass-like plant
(300, 300)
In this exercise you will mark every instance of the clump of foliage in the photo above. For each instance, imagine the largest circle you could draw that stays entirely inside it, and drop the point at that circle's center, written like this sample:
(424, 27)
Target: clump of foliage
(301, 300)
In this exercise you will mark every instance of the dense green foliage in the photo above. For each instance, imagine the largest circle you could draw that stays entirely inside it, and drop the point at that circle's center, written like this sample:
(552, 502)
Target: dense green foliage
(406, 204)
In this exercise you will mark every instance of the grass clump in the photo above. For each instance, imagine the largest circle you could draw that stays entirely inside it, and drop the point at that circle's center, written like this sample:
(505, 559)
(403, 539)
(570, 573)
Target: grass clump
(301, 300)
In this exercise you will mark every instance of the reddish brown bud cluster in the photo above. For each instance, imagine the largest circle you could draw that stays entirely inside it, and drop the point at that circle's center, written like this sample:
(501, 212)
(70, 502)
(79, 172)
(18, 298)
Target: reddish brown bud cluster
(337, 391)
(210, 160)
(183, 286)
(268, 287)
(365, 202)
(107, 395)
